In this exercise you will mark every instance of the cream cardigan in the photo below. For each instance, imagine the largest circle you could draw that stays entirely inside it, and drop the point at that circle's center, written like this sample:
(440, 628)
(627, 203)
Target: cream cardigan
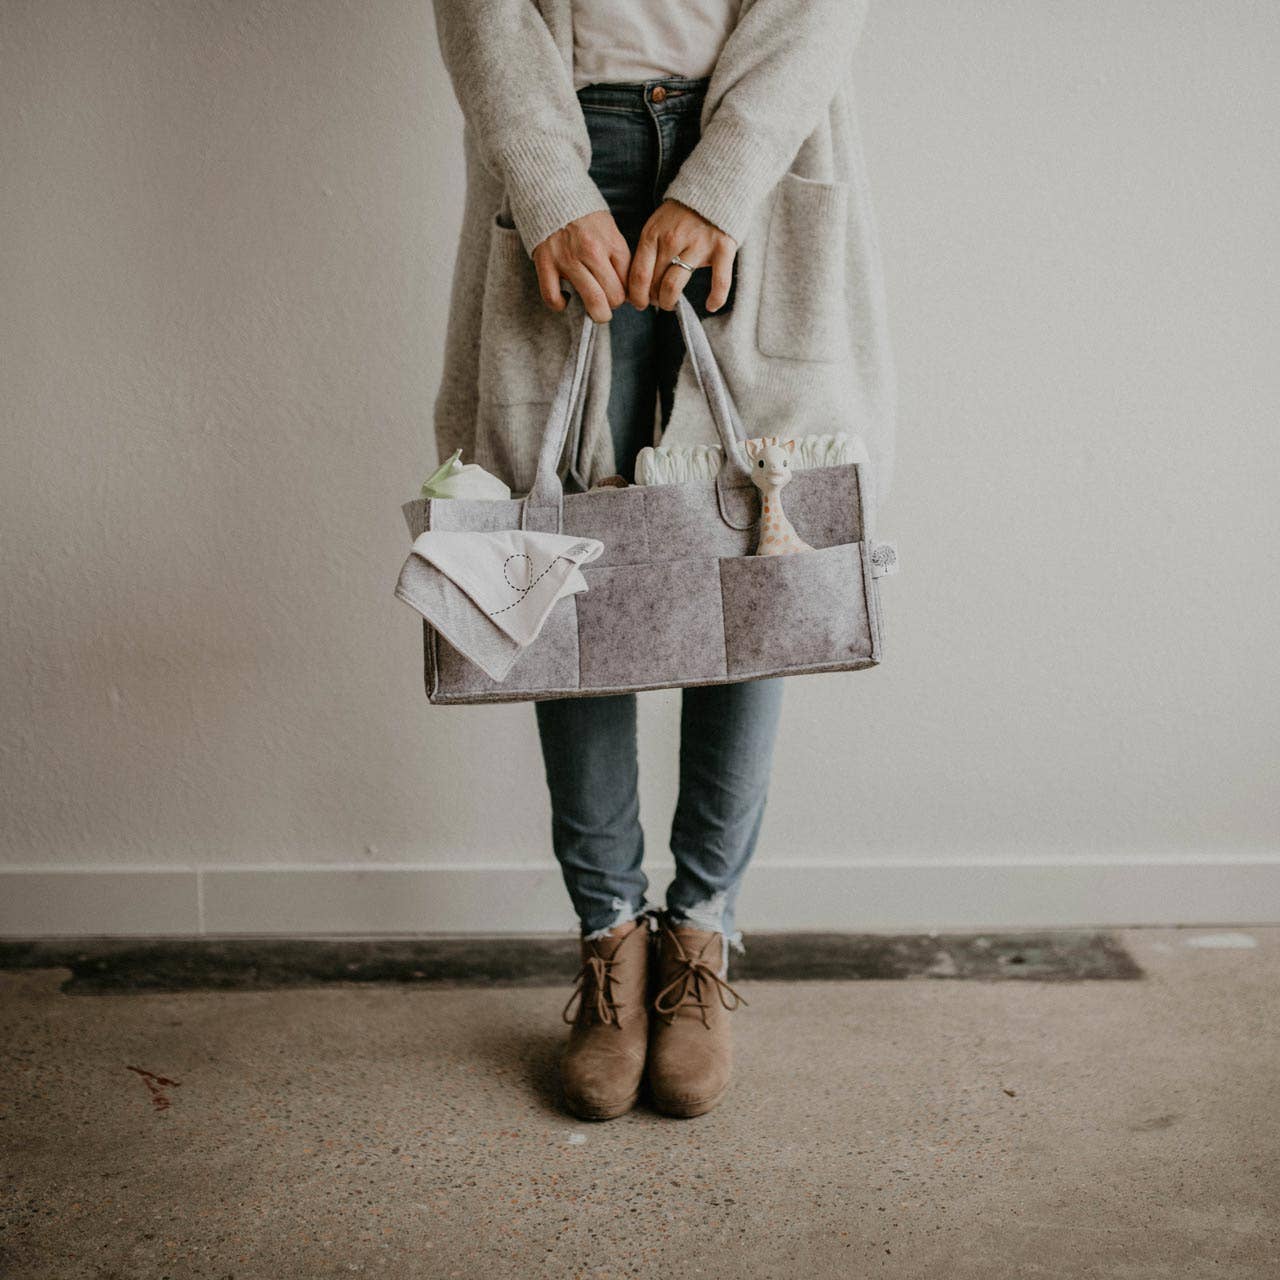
(779, 167)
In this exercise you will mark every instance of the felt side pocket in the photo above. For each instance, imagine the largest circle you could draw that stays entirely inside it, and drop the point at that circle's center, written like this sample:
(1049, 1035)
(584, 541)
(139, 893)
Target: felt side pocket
(797, 611)
(802, 306)
(651, 624)
(549, 664)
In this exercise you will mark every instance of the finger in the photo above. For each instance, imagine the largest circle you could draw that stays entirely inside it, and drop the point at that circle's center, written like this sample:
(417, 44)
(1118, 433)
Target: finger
(601, 266)
(590, 292)
(640, 279)
(674, 279)
(615, 291)
(549, 282)
(721, 275)
(668, 248)
(620, 259)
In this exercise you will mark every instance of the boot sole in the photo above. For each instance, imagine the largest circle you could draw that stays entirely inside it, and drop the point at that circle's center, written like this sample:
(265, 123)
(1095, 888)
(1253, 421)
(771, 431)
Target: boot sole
(686, 1109)
(602, 1113)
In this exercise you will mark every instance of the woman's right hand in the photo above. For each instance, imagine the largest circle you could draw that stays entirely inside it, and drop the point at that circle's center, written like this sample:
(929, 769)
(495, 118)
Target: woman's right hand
(592, 255)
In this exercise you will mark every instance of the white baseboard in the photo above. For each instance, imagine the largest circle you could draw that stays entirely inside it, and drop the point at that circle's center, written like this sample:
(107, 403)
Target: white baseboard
(901, 895)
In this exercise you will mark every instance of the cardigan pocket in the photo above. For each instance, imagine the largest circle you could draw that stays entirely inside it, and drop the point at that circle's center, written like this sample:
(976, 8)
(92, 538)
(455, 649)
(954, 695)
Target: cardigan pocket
(802, 305)
(523, 344)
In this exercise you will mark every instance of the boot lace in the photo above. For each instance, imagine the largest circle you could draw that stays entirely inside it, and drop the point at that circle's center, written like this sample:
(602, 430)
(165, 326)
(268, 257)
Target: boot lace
(689, 981)
(595, 977)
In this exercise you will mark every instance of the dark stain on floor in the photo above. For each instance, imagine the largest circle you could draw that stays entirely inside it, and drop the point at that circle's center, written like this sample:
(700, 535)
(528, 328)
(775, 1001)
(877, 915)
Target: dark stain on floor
(156, 1086)
(101, 966)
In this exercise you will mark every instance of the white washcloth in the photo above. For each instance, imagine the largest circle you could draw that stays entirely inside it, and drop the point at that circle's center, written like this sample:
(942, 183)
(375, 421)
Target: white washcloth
(488, 594)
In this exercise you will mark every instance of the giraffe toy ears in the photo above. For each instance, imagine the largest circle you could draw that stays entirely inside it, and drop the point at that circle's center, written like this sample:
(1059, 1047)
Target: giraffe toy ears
(757, 446)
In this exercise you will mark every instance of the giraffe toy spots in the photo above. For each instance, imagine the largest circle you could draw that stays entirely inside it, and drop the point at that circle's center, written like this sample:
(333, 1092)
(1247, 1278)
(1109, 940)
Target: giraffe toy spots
(770, 470)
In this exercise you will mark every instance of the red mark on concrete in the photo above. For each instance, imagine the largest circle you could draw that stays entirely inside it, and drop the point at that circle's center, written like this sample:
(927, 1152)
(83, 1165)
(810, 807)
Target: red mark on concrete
(156, 1086)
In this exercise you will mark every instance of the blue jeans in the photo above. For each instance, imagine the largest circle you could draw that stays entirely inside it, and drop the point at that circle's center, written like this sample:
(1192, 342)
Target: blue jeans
(726, 731)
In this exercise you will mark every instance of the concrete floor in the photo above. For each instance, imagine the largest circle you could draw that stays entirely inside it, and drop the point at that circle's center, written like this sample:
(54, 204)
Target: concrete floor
(950, 1129)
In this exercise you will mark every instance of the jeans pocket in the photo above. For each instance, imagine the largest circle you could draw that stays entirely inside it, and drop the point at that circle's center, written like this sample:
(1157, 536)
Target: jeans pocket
(802, 307)
(523, 343)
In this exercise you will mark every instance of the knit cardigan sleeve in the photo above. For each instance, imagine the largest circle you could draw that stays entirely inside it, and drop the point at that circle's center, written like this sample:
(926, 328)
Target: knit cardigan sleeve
(776, 76)
(517, 98)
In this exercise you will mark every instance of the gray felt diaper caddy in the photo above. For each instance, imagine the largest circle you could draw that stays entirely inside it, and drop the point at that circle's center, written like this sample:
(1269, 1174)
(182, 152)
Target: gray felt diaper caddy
(677, 598)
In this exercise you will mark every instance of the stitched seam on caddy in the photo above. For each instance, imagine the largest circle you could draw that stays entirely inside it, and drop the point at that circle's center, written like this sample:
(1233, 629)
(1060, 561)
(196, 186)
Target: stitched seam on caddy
(433, 654)
(644, 520)
(870, 600)
(724, 630)
(864, 541)
(433, 636)
(862, 559)
(874, 611)
(816, 668)
(867, 595)
(859, 482)
(808, 669)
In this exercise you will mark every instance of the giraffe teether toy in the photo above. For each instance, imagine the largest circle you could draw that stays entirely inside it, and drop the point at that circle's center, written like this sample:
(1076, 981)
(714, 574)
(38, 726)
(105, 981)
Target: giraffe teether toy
(770, 470)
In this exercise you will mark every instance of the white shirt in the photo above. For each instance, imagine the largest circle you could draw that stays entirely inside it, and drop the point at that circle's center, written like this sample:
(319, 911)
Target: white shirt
(625, 41)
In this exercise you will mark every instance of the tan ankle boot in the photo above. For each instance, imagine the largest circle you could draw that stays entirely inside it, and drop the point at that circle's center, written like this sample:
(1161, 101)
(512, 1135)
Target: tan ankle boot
(603, 1063)
(690, 1047)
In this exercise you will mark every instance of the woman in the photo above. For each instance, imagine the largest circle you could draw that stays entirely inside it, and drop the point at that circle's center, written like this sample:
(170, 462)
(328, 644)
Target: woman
(630, 152)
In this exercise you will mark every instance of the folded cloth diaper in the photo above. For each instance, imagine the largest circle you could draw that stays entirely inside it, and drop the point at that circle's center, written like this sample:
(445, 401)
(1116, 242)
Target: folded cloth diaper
(679, 464)
(488, 594)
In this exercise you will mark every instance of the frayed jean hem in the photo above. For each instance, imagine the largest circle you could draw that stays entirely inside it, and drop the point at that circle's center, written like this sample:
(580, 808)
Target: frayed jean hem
(624, 913)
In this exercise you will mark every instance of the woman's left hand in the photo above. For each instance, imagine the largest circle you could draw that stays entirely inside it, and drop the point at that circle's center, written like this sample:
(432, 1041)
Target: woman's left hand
(675, 230)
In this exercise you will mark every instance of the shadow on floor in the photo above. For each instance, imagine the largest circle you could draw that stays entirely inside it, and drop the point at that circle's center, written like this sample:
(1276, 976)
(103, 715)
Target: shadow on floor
(100, 966)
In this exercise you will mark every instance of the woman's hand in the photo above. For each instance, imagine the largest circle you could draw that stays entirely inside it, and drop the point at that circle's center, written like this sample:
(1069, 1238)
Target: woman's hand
(592, 255)
(675, 230)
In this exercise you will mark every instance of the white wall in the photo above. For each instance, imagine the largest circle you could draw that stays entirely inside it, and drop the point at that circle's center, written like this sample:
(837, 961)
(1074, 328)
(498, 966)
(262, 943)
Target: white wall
(225, 245)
